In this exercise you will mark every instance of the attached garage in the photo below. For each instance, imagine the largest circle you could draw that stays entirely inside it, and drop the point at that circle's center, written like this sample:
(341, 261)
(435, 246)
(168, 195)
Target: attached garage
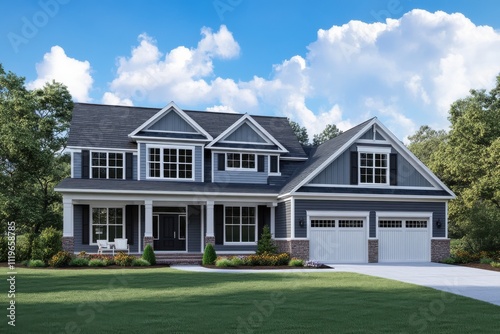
(337, 238)
(404, 238)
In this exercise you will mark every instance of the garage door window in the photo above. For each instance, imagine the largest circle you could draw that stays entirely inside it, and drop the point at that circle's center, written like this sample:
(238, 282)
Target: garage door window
(416, 224)
(390, 224)
(350, 223)
(322, 223)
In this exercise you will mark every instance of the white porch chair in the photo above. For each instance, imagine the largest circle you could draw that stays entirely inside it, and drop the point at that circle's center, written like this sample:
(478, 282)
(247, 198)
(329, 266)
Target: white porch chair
(122, 245)
(104, 247)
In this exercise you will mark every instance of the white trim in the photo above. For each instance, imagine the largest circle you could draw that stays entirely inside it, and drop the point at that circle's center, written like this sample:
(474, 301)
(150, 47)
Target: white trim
(292, 218)
(257, 126)
(293, 158)
(202, 220)
(272, 211)
(241, 169)
(68, 217)
(382, 151)
(72, 165)
(167, 139)
(170, 131)
(378, 197)
(374, 149)
(107, 207)
(278, 173)
(241, 149)
(202, 164)
(124, 168)
(161, 162)
(139, 161)
(168, 108)
(212, 162)
(373, 141)
(336, 185)
(229, 243)
(244, 142)
(106, 149)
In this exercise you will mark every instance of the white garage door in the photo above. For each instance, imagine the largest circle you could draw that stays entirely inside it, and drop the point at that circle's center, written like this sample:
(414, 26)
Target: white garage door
(338, 240)
(403, 240)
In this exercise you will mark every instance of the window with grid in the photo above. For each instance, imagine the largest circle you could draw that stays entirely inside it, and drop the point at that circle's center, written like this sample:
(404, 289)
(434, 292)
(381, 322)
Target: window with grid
(107, 165)
(350, 223)
(373, 168)
(390, 224)
(107, 224)
(170, 163)
(322, 223)
(416, 224)
(240, 161)
(240, 224)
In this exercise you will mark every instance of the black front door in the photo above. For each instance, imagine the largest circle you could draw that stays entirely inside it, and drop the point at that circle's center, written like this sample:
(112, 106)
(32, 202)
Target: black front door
(168, 234)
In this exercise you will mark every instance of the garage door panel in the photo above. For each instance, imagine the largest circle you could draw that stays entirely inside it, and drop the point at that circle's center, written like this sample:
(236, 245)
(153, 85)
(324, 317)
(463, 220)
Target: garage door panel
(403, 240)
(417, 245)
(392, 244)
(351, 245)
(324, 245)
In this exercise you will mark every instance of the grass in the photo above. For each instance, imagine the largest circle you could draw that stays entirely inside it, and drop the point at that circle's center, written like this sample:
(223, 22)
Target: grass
(164, 300)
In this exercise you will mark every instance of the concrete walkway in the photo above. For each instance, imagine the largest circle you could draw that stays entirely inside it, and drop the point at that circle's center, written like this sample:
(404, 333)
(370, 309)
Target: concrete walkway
(469, 282)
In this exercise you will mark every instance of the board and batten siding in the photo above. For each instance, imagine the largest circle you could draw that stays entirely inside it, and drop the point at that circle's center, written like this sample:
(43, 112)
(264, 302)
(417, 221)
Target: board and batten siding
(245, 134)
(236, 176)
(197, 162)
(194, 229)
(408, 176)
(77, 165)
(437, 208)
(172, 122)
(283, 221)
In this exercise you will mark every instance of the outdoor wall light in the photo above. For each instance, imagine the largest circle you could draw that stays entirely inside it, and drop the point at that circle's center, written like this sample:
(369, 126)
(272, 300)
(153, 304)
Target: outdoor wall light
(438, 223)
(301, 222)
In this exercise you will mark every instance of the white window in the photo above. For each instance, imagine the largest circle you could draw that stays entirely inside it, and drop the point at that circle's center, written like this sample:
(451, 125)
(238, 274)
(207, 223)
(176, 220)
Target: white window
(107, 224)
(107, 165)
(274, 164)
(240, 224)
(373, 165)
(240, 161)
(170, 163)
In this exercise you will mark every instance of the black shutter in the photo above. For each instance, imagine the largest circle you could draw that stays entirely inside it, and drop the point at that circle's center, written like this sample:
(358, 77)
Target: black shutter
(393, 169)
(264, 218)
(221, 161)
(129, 166)
(219, 224)
(85, 224)
(130, 221)
(85, 164)
(274, 164)
(354, 167)
(260, 163)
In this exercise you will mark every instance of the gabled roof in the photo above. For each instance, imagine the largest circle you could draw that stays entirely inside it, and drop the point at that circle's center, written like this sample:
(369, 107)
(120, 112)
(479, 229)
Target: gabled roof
(327, 152)
(171, 107)
(247, 119)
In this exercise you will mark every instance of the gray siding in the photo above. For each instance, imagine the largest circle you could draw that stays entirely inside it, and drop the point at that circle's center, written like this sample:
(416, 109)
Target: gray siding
(368, 134)
(282, 225)
(194, 229)
(437, 208)
(245, 134)
(378, 136)
(197, 162)
(337, 172)
(409, 176)
(172, 122)
(240, 176)
(77, 165)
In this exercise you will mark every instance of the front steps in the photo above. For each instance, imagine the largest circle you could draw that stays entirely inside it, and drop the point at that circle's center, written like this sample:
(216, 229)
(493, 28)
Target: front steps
(178, 258)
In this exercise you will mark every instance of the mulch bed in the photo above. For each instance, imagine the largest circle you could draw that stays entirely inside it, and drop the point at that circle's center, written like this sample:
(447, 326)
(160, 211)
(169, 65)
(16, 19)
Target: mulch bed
(480, 266)
(323, 266)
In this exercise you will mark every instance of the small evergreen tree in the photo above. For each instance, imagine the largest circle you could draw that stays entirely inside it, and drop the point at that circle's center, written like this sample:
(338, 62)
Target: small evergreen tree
(209, 256)
(149, 255)
(266, 244)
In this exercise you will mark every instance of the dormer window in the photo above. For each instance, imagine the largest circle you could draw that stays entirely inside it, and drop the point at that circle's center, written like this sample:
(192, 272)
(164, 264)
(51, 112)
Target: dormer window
(240, 161)
(373, 165)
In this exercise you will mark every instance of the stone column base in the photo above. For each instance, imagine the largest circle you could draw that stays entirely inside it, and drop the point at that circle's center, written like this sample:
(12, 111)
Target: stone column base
(372, 251)
(209, 240)
(440, 249)
(68, 244)
(148, 241)
(296, 248)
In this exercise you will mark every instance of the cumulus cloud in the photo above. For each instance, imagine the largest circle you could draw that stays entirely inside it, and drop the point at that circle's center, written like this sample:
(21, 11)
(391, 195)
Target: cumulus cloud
(75, 74)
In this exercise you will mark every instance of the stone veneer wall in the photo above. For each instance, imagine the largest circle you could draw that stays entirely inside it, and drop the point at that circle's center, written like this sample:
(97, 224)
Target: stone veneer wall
(440, 249)
(209, 240)
(148, 241)
(296, 248)
(372, 251)
(68, 244)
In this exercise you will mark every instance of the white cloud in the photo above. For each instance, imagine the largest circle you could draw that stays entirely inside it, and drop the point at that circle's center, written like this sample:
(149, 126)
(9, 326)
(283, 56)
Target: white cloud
(112, 99)
(75, 74)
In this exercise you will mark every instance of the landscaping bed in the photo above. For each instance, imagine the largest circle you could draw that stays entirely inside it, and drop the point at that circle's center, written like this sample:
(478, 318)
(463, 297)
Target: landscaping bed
(321, 266)
(484, 266)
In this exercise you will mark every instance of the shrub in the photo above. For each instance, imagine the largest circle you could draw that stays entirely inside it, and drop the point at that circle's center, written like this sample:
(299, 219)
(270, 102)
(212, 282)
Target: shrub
(123, 259)
(140, 263)
(36, 263)
(295, 262)
(47, 244)
(265, 243)
(449, 260)
(79, 262)
(486, 260)
(61, 259)
(107, 259)
(495, 264)
(237, 261)
(268, 259)
(149, 255)
(4, 249)
(209, 255)
(223, 262)
(96, 263)
(22, 248)
(83, 254)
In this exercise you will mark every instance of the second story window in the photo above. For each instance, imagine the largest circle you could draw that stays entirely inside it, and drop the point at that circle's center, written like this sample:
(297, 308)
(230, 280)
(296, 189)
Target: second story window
(107, 165)
(240, 161)
(170, 163)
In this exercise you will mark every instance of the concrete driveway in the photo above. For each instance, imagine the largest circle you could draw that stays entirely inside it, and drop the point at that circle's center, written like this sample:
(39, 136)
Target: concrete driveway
(469, 282)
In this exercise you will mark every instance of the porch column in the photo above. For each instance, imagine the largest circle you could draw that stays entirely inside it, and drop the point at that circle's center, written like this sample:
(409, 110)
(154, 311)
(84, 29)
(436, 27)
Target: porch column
(148, 223)
(273, 219)
(68, 242)
(209, 236)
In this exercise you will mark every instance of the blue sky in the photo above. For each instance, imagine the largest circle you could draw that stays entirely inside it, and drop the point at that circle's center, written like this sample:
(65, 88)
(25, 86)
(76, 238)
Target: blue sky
(317, 62)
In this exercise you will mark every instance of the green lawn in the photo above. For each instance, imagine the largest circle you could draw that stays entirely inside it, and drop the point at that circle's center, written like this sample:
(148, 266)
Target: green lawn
(164, 300)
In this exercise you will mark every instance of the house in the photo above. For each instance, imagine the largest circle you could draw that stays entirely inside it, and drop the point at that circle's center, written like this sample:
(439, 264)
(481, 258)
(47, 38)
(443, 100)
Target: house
(179, 179)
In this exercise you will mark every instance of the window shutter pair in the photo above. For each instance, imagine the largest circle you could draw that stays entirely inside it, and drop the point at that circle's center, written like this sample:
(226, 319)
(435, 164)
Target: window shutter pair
(129, 165)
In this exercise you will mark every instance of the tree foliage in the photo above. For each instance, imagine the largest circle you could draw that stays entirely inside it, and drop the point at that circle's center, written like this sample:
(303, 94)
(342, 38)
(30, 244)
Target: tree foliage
(331, 131)
(300, 132)
(33, 133)
(467, 159)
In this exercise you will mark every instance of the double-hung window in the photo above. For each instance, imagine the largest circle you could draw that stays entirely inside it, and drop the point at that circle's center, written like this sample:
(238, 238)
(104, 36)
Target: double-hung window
(240, 224)
(107, 165)
(373, 165)
(170, 163)
(107, 224)
(240, 161)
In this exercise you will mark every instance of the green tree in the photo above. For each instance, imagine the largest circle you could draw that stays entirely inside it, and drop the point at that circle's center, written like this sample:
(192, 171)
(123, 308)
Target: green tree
(426, 142)
(331, 131)
(33, 134)
(300, 132)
